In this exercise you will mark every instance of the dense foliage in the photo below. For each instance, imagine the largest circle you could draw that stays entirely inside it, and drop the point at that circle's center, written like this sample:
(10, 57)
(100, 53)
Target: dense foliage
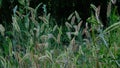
(59, 9)
(29, 36)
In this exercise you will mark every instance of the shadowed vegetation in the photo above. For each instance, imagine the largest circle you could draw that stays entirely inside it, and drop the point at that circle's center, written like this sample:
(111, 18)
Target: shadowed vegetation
(34, 40)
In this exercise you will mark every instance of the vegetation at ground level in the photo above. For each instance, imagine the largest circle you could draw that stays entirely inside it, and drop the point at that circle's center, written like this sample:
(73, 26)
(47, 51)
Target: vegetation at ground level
(40, 43)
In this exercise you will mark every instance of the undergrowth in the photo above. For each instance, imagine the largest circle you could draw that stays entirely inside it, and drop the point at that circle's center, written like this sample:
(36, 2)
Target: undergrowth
(37, 42)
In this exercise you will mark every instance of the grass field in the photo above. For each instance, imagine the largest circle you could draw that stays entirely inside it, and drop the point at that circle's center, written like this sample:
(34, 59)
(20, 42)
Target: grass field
(37, 42)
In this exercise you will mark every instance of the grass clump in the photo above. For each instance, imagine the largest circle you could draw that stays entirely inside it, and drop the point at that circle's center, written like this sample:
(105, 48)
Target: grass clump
(37, 42)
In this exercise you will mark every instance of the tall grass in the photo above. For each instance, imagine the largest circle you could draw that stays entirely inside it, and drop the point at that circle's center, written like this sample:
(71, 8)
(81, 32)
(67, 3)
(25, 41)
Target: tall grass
(38, 43)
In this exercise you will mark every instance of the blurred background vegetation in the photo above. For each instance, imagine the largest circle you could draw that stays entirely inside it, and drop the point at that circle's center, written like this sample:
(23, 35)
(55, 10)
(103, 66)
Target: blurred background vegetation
(32, 37)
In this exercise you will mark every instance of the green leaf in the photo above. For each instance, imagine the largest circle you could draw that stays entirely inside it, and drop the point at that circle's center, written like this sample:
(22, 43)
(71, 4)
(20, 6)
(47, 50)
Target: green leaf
(22, 2)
